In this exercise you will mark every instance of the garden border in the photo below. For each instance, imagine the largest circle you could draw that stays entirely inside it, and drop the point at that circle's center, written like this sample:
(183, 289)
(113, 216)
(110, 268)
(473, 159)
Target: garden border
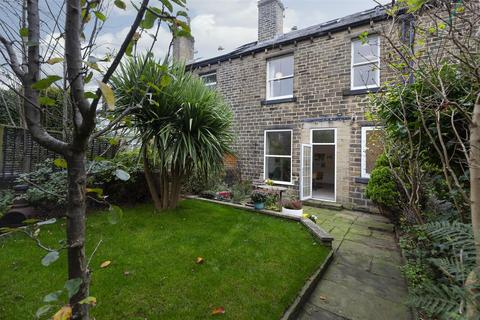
(324, 237)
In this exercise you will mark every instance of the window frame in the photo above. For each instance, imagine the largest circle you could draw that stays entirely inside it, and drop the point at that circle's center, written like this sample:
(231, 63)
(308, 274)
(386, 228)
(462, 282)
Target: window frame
(265, 156)
(269, 94)
(353, 64)
(363, 162)
(206, 75)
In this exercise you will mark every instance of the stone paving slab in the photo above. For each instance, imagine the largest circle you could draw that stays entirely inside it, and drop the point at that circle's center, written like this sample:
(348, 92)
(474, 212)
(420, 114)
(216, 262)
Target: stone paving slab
(364, 281)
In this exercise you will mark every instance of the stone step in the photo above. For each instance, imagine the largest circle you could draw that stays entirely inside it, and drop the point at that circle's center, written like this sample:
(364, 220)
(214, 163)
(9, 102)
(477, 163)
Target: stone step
(323, 204)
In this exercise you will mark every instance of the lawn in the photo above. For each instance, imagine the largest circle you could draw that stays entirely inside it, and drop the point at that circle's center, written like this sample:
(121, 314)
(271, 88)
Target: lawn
(254, 265)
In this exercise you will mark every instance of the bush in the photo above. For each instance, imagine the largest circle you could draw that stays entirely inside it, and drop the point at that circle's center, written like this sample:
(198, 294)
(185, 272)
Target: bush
(382, 188)
(241, 191)
(48, 183)
(6, 198)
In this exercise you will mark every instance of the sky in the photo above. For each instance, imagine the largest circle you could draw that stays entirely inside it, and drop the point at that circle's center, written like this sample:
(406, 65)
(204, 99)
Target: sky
(232, 23)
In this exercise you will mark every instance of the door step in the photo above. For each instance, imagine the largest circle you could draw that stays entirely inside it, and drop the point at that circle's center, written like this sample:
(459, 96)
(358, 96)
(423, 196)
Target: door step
(323, 204)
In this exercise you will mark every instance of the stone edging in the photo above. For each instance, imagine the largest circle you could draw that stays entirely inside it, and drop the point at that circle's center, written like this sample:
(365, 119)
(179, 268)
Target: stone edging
(324, 237)
(307, 290)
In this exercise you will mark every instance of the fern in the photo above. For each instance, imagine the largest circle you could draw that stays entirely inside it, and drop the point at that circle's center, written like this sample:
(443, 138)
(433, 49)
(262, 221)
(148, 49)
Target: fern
(439, 299)
(452, 255)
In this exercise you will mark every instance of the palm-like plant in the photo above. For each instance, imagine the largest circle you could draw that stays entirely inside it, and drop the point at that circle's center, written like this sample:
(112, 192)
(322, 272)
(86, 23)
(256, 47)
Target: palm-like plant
(183, 125)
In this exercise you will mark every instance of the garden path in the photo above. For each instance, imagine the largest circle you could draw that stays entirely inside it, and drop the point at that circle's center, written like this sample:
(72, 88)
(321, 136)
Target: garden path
(364, 281)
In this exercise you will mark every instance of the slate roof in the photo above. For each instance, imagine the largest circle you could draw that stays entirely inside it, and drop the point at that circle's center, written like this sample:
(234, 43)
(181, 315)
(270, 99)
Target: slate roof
(375, 14)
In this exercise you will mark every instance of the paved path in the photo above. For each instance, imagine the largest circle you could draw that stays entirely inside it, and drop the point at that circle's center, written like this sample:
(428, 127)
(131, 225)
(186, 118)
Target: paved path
(364, 281)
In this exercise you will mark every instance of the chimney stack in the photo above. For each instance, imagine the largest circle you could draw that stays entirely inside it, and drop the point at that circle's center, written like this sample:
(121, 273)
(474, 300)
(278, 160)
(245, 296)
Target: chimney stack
(183, 48)
(270, 19)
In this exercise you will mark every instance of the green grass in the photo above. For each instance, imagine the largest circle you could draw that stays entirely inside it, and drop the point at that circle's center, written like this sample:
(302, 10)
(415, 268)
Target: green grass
(254, 265)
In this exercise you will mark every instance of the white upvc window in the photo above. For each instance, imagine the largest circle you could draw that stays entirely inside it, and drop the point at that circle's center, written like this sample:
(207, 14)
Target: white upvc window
(372, 148)
(365, 71)
(210, 79)
(278, 156)
(280, 78)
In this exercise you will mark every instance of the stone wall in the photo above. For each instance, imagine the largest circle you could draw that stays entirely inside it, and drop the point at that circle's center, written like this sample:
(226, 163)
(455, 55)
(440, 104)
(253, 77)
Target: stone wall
(321, 89)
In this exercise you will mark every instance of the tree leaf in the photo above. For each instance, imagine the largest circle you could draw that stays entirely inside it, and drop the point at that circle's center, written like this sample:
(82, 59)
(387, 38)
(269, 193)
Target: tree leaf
(51, 297)
(100, 16)
(55, 60)
(47, 101)
(72, 286)
(42, 310)
(50, 258)
(120, 4)
(108, 95)
(167, 4)
(122, 175)
(24, 32)
(45, 83)
(89, 300)
(90, 95)
(165, 80)
(199, 260)
(115, 213)
(97, 191)
(65, 313)
(88, 77)
(218, 311)
(105, 264)
(60, 163)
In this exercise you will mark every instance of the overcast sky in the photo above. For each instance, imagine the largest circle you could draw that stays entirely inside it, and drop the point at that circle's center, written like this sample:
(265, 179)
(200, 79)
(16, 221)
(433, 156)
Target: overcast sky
(232, 23)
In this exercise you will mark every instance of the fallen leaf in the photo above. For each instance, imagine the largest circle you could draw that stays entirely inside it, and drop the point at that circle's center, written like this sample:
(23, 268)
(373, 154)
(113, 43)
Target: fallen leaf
(200, 260)
(63, 314)
(218, 311)
(89, 300)
(105, 264)
(126, 273)
(323, 298)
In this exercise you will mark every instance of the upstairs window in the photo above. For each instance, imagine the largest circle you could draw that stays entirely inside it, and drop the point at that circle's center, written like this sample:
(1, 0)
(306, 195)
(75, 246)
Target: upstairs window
(278, 156)
(280, 78)
(210, 79)
(365, 63)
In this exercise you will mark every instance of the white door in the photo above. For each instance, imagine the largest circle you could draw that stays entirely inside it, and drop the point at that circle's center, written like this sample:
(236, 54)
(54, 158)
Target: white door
(306, 172)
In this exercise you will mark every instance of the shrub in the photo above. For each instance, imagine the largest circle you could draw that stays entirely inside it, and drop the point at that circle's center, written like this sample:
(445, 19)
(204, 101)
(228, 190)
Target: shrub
(259, 196)
(382, 188)
(6, 198)
(241, 191)
(48, 183)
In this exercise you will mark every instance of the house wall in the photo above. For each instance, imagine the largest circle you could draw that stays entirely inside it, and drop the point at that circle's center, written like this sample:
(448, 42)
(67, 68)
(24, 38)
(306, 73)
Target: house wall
(321, 84)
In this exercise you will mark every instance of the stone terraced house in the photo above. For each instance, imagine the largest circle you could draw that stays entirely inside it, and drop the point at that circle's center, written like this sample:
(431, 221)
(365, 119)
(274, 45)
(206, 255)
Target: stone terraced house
(300, 101)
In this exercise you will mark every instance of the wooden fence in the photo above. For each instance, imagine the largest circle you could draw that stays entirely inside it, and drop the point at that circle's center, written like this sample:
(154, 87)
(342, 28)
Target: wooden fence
(19, 153)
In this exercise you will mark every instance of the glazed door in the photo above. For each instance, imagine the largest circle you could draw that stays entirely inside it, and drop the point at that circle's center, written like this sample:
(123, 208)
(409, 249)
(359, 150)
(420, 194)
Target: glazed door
(306, 172)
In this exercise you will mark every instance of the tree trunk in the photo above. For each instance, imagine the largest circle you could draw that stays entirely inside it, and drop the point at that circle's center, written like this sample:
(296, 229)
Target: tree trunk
(76, 211)
(472, 311)
(152, 186)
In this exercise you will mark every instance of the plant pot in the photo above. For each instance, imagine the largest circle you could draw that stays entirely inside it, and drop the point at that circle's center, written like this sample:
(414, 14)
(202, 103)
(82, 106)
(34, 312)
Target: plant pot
(259, 206)
(298, 213)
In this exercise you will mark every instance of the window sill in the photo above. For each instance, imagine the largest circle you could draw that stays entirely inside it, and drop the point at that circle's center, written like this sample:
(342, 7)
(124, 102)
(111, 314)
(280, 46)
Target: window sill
(278, 101)
(362, 180)
(356, 92)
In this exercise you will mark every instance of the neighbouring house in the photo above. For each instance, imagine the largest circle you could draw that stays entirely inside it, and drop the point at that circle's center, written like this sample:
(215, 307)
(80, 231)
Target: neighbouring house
(300, 102)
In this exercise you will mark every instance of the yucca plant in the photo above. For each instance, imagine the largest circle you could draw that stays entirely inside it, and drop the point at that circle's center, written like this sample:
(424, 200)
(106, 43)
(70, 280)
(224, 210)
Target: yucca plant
(183, 126)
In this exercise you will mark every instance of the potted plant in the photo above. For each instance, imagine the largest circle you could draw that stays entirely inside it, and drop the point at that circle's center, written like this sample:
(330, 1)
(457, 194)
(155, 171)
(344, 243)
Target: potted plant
(292, 207)
(258, 198)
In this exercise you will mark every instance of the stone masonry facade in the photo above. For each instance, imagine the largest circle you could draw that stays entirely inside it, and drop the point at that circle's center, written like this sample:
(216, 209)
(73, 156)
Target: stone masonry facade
(322, 99)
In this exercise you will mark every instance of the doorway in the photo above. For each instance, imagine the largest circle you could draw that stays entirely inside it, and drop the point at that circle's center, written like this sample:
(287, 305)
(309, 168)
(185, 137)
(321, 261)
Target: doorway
(324, 157)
